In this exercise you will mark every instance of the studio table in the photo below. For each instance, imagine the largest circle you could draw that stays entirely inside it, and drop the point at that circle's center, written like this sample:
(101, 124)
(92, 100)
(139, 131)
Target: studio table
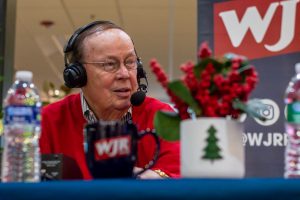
(262, 188)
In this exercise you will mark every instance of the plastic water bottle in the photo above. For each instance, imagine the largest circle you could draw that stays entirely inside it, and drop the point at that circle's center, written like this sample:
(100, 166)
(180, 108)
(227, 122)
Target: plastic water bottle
(292, 126)
(21, 155)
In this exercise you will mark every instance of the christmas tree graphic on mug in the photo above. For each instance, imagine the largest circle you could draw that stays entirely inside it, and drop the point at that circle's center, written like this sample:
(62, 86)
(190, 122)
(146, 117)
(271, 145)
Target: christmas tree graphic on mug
(212, 150)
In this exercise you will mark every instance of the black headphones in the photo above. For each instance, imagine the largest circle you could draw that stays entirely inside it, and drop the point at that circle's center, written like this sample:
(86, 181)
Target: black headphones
(75, 74)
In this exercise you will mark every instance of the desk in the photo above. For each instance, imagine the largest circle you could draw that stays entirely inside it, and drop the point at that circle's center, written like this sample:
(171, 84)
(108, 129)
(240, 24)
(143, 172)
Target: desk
(155, 189)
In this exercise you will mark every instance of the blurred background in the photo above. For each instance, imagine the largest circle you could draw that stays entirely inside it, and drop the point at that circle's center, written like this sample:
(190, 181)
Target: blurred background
(162, 29)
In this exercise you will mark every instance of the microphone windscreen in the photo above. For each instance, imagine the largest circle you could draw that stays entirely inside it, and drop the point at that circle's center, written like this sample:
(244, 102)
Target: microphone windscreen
(137, 98)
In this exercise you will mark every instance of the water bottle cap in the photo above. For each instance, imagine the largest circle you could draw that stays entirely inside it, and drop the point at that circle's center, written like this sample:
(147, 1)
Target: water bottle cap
(297, 68)
(24, 76)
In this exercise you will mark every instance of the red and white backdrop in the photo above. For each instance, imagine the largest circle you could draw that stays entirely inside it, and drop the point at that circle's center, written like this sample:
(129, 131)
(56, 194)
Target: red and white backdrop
(268, 33)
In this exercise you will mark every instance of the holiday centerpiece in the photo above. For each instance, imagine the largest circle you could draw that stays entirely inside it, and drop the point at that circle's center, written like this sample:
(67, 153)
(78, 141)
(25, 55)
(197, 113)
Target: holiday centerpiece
(210, 98)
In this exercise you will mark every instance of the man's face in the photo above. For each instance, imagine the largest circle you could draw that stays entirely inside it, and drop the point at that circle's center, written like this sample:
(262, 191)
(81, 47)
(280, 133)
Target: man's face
(107, 91)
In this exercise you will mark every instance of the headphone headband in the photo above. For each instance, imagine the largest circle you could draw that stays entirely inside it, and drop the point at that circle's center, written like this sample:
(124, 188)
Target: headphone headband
(70, 44)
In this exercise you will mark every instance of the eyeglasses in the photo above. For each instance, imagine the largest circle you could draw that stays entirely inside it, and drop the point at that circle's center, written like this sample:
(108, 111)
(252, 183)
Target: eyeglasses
(114, 65)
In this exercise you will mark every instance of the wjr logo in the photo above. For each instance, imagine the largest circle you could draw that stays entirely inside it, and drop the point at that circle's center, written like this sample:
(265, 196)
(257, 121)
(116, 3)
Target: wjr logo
(257, 28)
(265, 139)
(112, 147)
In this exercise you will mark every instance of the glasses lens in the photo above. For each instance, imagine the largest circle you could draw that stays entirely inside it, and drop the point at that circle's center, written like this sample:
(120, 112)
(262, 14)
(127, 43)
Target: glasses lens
(131, 63)
(113, 65)
(110, 66)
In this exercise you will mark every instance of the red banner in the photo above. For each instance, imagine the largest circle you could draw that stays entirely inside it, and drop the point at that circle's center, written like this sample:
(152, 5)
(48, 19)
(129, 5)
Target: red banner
(257, 28)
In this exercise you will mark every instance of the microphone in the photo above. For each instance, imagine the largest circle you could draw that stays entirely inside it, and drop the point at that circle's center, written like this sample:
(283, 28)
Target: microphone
(137, 98)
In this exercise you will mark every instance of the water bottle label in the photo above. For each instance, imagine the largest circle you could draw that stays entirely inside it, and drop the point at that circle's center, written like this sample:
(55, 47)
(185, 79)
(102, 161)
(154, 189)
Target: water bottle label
(293, 112)
(22, 114)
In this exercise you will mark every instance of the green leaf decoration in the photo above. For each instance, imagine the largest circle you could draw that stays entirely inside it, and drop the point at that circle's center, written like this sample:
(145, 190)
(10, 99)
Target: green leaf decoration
(253, 108)
(182, 92)
(202, 65)
(167, 125)
(244, 68)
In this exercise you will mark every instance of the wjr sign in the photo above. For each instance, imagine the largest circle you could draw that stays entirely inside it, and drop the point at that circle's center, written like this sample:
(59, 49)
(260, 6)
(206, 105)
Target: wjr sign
(257, 28)
(268, 33)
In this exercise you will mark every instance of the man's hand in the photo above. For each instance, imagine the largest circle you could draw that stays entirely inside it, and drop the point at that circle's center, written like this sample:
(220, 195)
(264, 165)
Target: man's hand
(148, 174)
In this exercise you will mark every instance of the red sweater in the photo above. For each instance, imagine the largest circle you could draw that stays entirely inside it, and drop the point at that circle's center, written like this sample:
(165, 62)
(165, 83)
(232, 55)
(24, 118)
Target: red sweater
(62, 132)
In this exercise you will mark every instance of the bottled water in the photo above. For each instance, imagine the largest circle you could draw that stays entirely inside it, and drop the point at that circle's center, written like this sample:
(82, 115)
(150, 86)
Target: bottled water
(292, 126)
(21, 155)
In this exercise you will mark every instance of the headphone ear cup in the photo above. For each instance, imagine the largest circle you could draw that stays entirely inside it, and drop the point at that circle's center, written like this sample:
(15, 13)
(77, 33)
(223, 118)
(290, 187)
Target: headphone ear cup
(75, 75)
(141, 74)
